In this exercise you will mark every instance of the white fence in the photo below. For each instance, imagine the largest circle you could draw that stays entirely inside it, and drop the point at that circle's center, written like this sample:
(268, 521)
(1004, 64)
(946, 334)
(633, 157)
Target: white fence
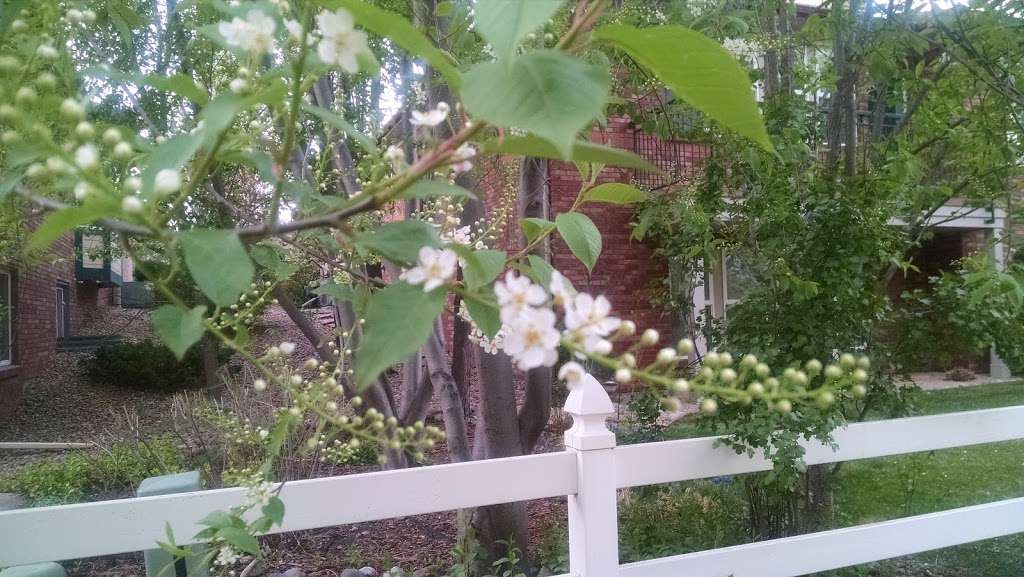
(589, 472)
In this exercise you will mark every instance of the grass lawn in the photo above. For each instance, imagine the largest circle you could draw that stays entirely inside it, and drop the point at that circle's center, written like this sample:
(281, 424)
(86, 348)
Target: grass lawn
(892, 487)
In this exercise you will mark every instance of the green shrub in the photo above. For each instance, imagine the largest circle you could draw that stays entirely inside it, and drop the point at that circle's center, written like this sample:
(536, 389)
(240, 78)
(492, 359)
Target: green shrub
(661, 521)
(83, 476)
(145, 365)
(681, 518)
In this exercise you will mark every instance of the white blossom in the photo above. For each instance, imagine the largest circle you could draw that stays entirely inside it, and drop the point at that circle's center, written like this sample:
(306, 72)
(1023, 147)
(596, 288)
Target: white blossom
(87, 157)
(532, 339)
(462, 157)
(462, 235)
(227, 556)
(286, 348)
(82, 190)
(434, 268)
(294, 29)
(430, 117)
(396, 156)
(340, 42)
(166, 181)
(516, 294)
(587, 319)
(238, 85)
(561, 289)
(254, 34)
(571, 372)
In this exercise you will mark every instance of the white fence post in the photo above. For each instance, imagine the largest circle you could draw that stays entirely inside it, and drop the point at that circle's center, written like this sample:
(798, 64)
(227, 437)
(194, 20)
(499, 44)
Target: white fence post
(593, 518)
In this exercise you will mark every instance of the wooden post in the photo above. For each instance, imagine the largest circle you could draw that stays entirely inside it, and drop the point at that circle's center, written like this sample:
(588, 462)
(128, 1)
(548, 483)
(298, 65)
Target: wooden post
(593, 517)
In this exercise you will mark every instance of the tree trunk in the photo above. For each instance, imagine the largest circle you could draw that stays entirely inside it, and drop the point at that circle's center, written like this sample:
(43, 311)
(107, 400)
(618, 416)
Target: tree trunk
(500, 433)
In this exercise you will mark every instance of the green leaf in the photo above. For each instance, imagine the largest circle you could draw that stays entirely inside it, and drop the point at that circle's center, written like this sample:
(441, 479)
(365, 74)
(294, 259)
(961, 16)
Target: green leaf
(67, 219)
(218, 263)
(181, 85)
(338, 122)
(698, 69)
(9, 183)
(179, 328)
(546, 92)
(240, 539)
(400, 31)
(504, 23)
(398, 321)
(615, 193)
(534, 227)
(483, 309)
(269, 258)
(220, 113)
(399, 242)
(481, 267)
(274, 510)
(220, 519)
(582, 151)
(434, 188)
(582, 237)
(338, 292)
(541, 270)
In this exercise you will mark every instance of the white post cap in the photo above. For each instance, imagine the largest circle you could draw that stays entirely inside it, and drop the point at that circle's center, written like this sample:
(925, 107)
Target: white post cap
(590, 406)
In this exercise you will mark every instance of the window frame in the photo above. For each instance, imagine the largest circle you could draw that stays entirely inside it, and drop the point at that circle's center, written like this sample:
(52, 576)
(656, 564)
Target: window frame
(7, 278)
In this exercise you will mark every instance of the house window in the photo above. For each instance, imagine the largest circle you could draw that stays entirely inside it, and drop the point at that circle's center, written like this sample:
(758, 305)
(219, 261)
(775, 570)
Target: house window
(6, 318)
(63, 310)
(736, 280)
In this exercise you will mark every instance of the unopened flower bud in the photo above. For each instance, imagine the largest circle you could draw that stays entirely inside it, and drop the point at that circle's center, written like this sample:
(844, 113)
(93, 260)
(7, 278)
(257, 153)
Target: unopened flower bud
(784, 406)
(666, 356)
(85, 130)
(623, 376)
(709, 406)
(833, 372)
(684, 346)
(71, 108)
(627, 328)
(628, 359)
(756, 389)
(859, 391)
(122, 151)
(603, 347)
(649, 338)
(680, 386)
(728, 375)
(46, 52)
(813, 367)
(712, 359)
(860, 375)
(238, 85)
(131, 204)
(847, 361)
(259, 385)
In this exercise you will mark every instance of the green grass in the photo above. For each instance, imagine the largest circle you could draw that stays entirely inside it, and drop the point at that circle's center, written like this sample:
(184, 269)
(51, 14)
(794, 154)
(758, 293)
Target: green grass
(887, 488)
(892, 487)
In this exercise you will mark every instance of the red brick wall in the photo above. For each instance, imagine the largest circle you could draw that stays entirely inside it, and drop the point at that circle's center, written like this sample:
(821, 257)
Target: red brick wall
(35, 318)
(626, 269)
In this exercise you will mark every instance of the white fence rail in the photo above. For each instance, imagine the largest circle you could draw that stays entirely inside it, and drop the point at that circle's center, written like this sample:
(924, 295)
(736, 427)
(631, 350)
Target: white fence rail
(588, 473)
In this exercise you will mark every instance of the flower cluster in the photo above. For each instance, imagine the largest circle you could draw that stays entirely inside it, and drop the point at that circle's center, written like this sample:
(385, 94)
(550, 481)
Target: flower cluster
(436, 267)
(340, 43)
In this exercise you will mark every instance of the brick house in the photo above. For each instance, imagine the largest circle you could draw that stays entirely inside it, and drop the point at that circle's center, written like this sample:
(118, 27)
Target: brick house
(626, 268)
(48, 300)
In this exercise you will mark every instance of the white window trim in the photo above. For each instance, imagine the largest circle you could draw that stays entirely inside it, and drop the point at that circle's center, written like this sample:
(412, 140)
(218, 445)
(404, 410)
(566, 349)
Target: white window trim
(8, 317)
